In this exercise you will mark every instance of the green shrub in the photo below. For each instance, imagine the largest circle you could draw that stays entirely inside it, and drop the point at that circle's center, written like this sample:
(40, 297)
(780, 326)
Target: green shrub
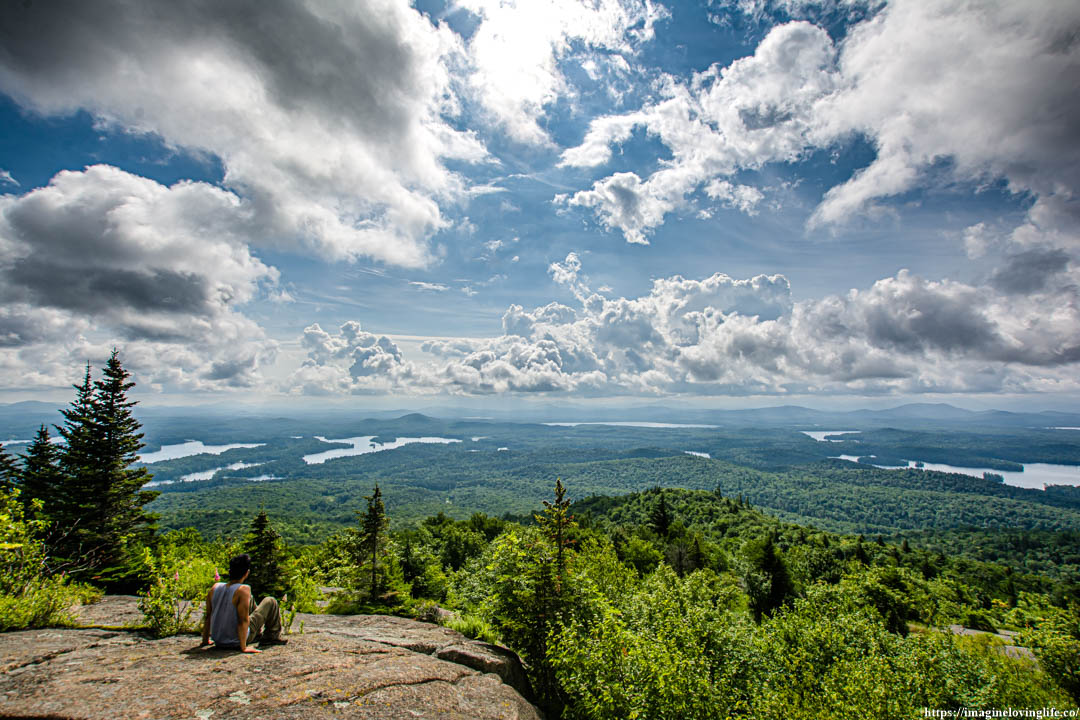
(179, 572)
(472, 627)
(302, 592)
(29, 595)
(1055, 638)
(978, 620)
(164, 608)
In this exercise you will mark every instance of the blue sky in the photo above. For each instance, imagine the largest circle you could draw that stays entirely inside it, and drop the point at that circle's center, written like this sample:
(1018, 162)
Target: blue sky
(744, 202)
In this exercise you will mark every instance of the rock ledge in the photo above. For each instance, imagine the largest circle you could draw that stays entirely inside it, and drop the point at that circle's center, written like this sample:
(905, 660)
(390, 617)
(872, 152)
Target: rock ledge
(341, 666)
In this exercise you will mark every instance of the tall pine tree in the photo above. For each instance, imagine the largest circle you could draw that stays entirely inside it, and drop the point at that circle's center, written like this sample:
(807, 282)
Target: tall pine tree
(556, 523)
(9, 471)
(41, 478)
(660, 517)
(263, 544)
(373, 524)
(77, 514)
(118, 445)
(100, 507)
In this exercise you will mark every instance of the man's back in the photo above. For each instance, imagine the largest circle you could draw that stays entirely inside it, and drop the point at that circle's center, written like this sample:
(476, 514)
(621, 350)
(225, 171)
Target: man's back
(224, 621)
(231, 614)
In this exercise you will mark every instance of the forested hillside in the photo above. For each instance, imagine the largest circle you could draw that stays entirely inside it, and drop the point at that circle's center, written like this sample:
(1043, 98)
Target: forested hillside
(675, 586)
(420, 480)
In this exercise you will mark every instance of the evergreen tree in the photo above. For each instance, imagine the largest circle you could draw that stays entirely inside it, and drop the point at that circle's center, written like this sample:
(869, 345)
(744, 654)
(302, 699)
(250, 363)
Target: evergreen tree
(100, 507)
(263, 544)
(78, 513)
(551, 594)
(697, 554)
(119, 442)
(678, 558)
(860, 553)
(660, 518)
(9, 471)
(556, 522)
(373, 524)
(764, 576)
(41, 478)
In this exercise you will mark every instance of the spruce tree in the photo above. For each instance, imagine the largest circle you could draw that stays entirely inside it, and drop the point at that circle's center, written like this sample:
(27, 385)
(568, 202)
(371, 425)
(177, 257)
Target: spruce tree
(100, 507)
(263, 544)
(118, 444)
(41, 478)
(660, 518)
(765, 576)
(78, 514)
(9, 471)
(556, 522)
(373, 524)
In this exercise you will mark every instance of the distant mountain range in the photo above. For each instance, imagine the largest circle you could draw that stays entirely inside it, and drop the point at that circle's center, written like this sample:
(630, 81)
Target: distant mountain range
(20, 420)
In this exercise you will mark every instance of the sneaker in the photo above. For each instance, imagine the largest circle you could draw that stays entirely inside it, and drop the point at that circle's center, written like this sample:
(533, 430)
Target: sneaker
(273, 641)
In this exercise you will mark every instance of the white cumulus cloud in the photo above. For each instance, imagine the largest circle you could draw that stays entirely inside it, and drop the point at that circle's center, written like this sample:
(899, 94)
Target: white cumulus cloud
(340, 150)
(982, 88)
(515, 51)
(162, 271)
(721, 335)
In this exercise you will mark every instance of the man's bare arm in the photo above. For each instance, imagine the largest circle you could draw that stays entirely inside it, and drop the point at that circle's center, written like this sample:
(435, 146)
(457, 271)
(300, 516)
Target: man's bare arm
(206, 617)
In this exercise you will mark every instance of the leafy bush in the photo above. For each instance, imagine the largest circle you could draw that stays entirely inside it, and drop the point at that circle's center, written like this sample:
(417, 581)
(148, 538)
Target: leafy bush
(655, 652)
(164, 608)
(180, 570)
(1055, 637)
(472, 626)
(302, 592)
(29, 596)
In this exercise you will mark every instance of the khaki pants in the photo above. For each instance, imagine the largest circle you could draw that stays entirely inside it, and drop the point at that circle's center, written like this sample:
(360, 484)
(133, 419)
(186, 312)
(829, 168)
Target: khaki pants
(265, 618)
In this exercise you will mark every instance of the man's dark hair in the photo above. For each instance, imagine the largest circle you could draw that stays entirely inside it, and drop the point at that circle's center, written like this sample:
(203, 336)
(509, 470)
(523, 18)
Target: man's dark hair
(238, 566)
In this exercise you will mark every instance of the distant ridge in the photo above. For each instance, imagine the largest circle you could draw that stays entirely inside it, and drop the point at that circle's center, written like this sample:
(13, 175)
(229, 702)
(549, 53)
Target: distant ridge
(20, 420)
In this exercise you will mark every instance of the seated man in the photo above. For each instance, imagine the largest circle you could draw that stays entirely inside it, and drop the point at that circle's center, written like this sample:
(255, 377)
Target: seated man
(231, 617)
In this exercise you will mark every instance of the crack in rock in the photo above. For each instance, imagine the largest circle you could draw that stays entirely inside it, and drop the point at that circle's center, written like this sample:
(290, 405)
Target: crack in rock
(18, 667)
(413, 683)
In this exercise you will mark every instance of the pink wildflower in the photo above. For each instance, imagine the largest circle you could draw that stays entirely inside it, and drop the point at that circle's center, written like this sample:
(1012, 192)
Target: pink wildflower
(217, 578)
(176, 576)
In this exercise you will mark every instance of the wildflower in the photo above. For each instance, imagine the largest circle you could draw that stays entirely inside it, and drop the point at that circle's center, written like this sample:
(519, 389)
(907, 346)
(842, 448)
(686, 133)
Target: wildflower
(217, 578)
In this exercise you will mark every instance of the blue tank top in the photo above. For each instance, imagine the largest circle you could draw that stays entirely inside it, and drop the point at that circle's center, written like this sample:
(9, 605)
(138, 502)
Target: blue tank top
(223, 619)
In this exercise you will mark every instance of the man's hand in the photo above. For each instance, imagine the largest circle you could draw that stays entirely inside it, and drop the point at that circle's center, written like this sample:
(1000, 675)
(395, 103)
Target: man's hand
(250, 649)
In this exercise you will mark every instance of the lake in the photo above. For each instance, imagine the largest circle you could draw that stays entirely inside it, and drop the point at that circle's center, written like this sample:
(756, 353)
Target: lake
(365, 445)
(820, 435)
(191, 447)
(631, 424)
(208, 474)
(1035, 475)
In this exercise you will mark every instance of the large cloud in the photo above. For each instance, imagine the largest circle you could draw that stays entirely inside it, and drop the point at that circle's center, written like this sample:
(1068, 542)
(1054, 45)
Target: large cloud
(161, 270)
(329, 118)
(719, 335)
(986, 87)
(515, 51)
(351, 360)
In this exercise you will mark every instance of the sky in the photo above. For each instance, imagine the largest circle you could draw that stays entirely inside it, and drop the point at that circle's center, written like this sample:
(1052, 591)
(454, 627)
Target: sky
(719, 203)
